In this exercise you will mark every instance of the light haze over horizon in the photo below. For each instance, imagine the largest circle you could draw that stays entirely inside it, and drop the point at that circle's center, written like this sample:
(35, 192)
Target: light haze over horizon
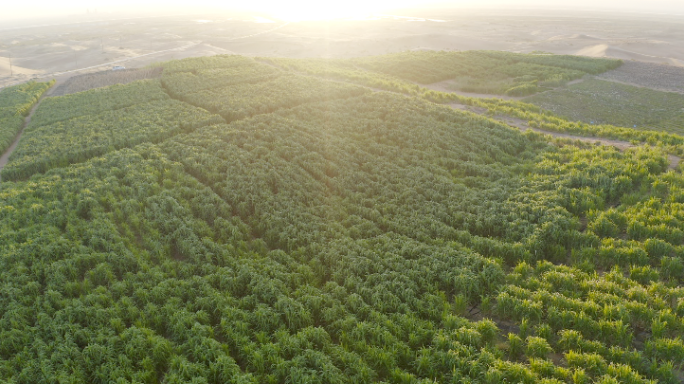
(296, 10)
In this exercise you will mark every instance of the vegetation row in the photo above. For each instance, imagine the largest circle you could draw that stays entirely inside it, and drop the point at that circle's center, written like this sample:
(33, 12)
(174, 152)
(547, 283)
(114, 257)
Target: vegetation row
(15, 104)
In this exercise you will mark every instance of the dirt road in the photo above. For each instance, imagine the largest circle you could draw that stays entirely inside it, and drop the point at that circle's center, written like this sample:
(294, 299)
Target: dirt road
(523, 126)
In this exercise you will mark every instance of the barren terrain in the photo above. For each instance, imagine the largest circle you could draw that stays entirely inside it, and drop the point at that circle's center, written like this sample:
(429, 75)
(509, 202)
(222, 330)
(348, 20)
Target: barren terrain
(60, 51)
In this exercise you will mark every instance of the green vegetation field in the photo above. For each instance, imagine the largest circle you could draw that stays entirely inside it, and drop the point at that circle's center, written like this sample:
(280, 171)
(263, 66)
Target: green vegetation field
(605, 102)
(15, 104)
(238, 101)
(339, 235)
(490, 72)
(84, 137)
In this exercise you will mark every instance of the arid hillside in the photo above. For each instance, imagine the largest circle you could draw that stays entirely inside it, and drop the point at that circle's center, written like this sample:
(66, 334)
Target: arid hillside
(83, 44)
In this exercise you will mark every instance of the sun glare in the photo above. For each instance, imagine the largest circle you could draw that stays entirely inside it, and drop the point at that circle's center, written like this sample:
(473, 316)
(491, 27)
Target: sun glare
(292, 11)
(317, 10)
(311, 10)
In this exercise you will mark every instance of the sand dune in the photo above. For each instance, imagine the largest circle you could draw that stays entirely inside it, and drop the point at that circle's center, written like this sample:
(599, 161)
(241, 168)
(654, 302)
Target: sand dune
(576, 36)
(599, 50)
(606, 50)
(584, 37)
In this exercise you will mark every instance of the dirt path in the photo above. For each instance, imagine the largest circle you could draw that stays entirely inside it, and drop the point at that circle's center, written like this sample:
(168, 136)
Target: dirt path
(576, 81)
(5, 156)
(446, 86)
(523, 126)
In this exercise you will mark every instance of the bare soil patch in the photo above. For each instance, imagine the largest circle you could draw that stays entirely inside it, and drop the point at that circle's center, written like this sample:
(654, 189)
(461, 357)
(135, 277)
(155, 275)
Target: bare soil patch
(77, 43)
(85, 82)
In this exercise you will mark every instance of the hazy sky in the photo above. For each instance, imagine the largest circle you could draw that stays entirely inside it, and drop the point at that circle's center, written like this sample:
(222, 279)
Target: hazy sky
(308, 9)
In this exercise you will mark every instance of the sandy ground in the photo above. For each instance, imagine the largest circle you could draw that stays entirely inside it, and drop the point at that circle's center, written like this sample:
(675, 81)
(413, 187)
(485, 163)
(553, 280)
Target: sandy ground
(44, 51)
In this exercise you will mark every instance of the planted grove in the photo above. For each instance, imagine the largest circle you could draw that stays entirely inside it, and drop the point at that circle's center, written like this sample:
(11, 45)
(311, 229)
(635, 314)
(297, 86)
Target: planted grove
(299, 225)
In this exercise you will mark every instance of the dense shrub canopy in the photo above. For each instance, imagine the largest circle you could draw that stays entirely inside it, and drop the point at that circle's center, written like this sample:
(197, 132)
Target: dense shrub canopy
(15, 104)
(325, 233)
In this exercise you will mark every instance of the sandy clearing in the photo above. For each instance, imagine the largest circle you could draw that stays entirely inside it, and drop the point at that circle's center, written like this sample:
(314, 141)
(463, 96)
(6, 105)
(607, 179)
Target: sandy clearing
(655, 54)
(121, 61)
(61, 76)
(20, 74)
(607, 50)
(84, 82)
(5, 67)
